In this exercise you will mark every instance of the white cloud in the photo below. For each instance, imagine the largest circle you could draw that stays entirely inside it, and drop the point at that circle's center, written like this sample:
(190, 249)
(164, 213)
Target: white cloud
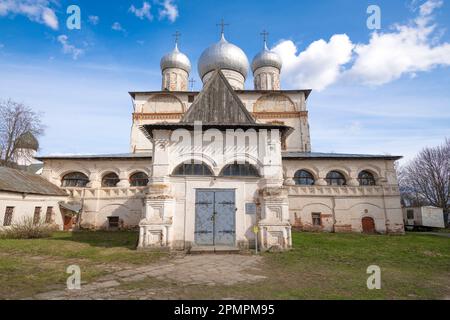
(406, 50)
(319, 65)
(117, 27)
(69, 48)
(35, 10)
(94, 20)
(169, 11)
(143, 12)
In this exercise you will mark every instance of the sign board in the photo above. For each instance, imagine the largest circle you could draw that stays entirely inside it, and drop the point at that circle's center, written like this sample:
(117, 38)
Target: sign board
(250, 208)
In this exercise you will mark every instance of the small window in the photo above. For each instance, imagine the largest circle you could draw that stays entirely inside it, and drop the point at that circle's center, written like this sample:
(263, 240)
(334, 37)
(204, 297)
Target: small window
(192, 169)
(110, 180)
(316, 219)
(366, 179)
(37, 215)
(304, 178)
(240, 170)
(335, 178)
(7, 221)
(113, 222)
(191, 98)
(410, 214)
(74, 180)
(139, 179)
(49, 215)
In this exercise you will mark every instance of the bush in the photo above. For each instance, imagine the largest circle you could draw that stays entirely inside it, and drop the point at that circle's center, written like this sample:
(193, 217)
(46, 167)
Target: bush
(27, 229)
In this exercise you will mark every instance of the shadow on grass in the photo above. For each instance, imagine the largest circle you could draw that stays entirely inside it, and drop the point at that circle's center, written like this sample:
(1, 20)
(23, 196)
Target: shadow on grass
(101, 239)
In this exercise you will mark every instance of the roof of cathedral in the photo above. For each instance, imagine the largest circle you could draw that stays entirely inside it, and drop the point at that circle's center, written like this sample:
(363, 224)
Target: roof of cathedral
(12, 180)
(218, 104)
(119, 156)
(133, 94)
(342, 156)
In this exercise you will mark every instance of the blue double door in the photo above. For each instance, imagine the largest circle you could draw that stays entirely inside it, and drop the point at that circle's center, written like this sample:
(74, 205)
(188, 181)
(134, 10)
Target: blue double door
(215, 218)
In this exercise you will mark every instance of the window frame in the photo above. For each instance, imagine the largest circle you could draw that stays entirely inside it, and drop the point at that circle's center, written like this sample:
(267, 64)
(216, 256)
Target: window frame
(194, 170)
(331, 181)
(8, 216)
(368, 180)
(106, 178)
(298, 178)
(237, 170)
(49, 215)
(146, 180)
(316, 216)
(82, 178)
(37, 215)
(408, 212)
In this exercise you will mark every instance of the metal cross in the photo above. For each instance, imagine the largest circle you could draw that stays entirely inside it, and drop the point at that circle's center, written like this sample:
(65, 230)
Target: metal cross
(176, 35)
(191, 83)
(222, 25)
(265, 35)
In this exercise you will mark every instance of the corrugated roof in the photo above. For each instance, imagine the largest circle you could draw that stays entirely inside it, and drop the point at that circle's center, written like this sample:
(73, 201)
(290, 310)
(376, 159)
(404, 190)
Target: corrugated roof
(343, 156)
(12, 180)
(118, 156)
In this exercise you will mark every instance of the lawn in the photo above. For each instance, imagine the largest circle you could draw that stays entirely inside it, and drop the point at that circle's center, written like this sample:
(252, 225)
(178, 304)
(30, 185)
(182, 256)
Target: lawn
(321, 266)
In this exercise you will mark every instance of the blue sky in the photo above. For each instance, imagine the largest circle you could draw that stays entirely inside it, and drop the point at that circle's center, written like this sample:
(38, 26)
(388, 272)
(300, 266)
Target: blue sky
(382, 92)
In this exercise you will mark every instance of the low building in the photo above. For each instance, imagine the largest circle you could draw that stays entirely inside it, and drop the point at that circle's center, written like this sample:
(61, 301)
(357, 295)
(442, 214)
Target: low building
(25, 195)
(427, 217)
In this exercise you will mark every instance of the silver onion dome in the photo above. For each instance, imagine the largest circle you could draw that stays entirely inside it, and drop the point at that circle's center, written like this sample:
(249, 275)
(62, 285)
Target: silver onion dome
(223, 55)
(176, 59)
(266, 58)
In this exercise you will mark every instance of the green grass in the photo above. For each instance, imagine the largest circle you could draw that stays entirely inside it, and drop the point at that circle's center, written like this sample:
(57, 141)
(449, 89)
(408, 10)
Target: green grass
(28, 267)
(321, 266)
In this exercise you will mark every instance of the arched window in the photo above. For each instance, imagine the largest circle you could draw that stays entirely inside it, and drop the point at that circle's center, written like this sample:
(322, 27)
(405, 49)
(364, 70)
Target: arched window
(239, 170)
(139, 179)
(110, 180)
(304, 178)
(366, 178)
(335, 178)
(74, 180)
(192, 169)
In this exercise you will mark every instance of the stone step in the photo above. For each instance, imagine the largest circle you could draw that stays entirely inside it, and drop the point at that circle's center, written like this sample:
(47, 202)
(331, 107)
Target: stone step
(214, 250)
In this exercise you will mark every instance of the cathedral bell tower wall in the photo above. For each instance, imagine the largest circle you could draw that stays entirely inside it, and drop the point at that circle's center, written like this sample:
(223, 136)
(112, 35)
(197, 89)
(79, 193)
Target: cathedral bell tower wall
(236, 80)
(174, 79)
(267, 78)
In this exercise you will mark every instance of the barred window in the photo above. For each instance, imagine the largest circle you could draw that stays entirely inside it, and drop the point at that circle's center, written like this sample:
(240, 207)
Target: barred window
(240, 170)
(110, 180)
(303, 177)
(335, 178)
(7, 220)
(75, 179)
(192, 169)
(139, 179)
(316, 219)
(366, 178)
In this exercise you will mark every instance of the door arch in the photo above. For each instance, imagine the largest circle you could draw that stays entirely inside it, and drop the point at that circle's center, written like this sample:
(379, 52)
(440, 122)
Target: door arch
(368, 225)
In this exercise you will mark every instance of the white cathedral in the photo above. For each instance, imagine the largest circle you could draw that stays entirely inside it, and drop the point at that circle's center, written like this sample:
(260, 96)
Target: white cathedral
(223, 167)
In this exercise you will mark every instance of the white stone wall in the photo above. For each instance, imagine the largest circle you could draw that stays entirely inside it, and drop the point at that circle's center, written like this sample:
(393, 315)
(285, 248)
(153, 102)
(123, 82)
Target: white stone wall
(24, 206)
(174, 79)
(267, 78)
(343, 207)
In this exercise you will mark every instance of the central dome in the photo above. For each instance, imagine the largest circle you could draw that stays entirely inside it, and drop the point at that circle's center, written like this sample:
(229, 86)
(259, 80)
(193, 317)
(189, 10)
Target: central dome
(223, 55)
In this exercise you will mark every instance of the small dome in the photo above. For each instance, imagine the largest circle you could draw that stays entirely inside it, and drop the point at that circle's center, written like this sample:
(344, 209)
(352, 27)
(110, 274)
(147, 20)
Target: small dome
(223, 55)
(176, 59)
(27, 141)
(266, 58)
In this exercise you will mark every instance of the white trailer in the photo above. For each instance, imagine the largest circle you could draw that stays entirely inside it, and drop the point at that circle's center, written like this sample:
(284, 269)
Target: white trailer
(427, 217)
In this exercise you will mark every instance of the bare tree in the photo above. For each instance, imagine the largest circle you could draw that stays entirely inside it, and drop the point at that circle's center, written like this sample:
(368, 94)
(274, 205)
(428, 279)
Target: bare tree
(426, 179)
(16, 122)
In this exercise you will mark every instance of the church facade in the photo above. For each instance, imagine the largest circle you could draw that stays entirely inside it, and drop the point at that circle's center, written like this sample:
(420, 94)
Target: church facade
(226, 166)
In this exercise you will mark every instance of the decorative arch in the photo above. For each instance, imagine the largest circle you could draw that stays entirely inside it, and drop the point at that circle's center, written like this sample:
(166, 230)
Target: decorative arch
(193, 168)
(163, 103)
(199, 157)
(237, 169)
(304, 177)
(366, 178)
(139, 179)
(110, 179)
(243, 157)
(74, 179)
(274, 102)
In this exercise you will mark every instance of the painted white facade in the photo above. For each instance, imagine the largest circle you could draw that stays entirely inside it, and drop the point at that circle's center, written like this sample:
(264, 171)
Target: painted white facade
(165, 211)
(427, 216)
